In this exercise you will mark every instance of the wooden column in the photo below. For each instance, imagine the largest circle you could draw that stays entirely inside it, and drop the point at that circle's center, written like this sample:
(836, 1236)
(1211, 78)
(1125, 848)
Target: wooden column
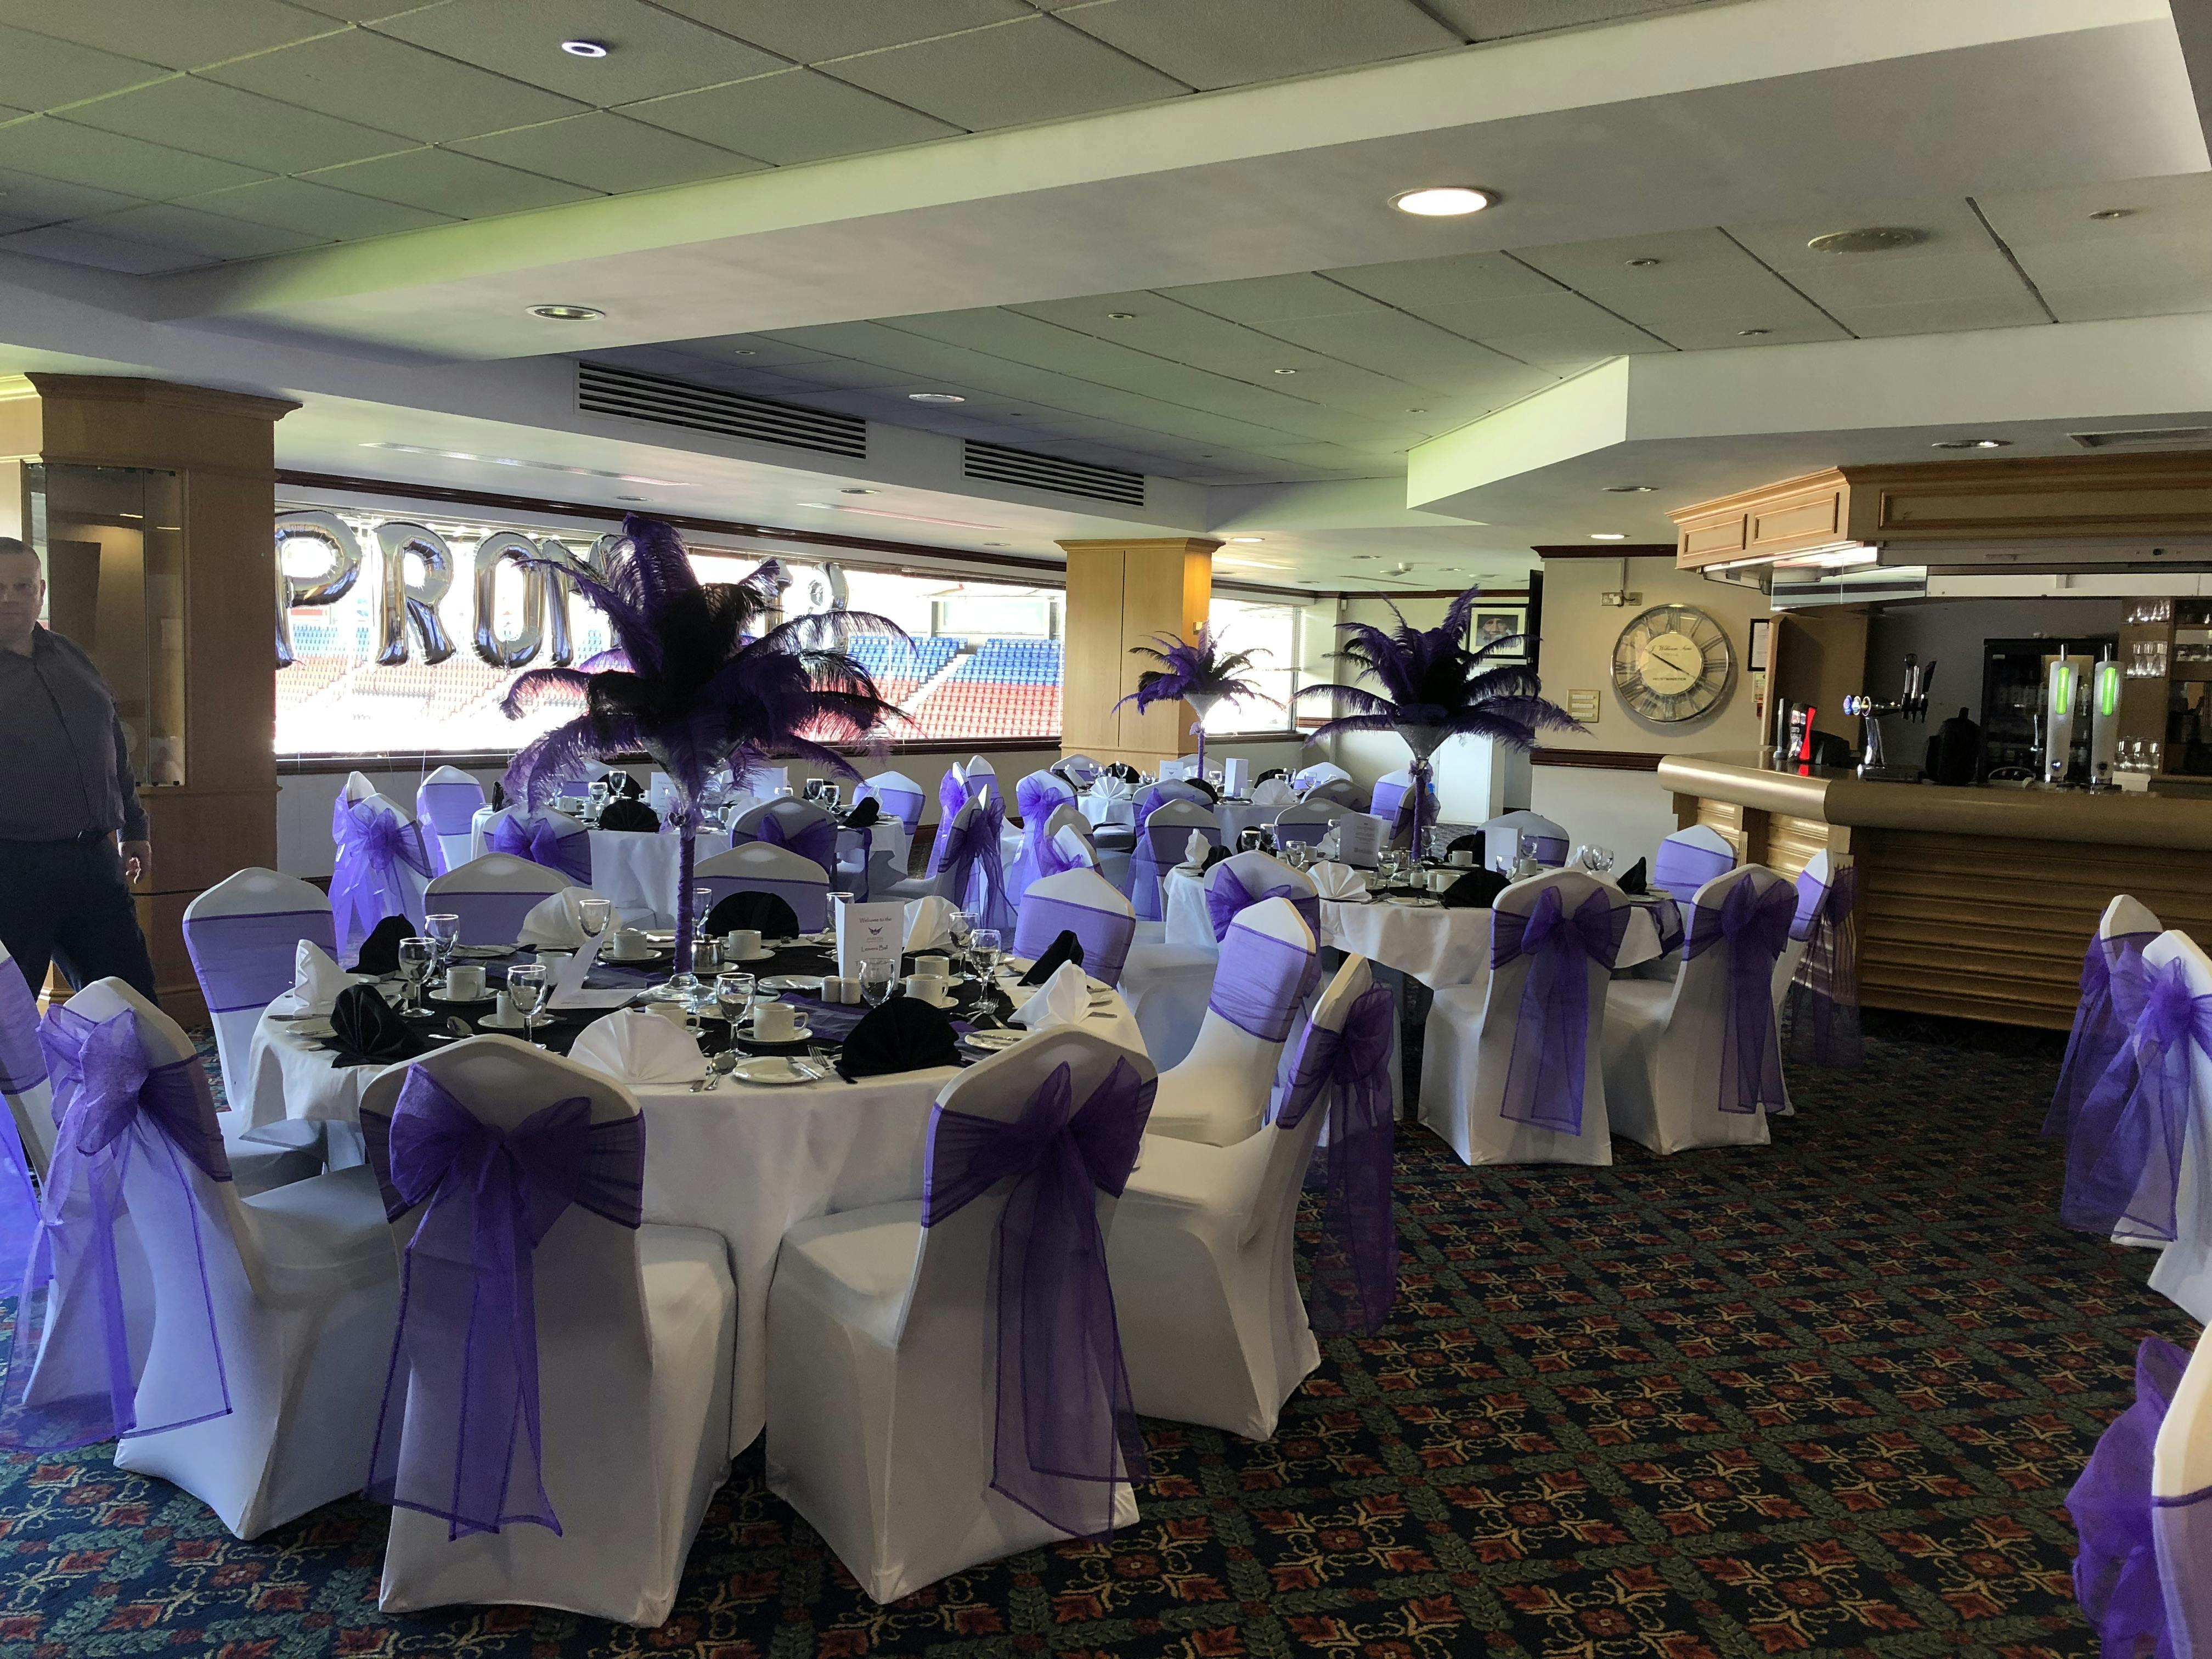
(217, 658)
(1120, 594)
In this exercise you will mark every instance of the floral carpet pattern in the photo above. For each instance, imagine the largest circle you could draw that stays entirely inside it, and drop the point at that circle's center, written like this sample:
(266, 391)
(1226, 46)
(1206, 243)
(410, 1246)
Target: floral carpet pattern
(1823, 1398)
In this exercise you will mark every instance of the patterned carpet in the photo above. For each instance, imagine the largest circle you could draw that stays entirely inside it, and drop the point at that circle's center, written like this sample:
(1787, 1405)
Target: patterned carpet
(1824, 1398)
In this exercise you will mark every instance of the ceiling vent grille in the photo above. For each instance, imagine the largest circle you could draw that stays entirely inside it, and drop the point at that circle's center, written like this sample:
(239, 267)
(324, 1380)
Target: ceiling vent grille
(2152, 437)
(604, 389)
(997, 463)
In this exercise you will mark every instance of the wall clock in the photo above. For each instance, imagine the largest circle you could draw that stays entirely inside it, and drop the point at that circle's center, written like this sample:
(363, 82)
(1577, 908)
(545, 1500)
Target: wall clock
(1672, 663)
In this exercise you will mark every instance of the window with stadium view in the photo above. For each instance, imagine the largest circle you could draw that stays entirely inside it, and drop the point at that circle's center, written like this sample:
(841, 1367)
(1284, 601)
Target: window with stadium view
(1275, 633)
(984, 660)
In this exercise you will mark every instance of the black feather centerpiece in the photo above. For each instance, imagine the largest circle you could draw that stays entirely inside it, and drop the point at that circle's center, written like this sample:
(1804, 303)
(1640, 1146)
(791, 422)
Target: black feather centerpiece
(1433, 687)
(690, 684)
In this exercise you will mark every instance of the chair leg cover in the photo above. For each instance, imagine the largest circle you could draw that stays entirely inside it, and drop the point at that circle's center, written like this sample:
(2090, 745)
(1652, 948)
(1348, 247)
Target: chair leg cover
(1167, 987)
(273, 1156)
(1463, 1072)
(303, 1358)
(633, 1453)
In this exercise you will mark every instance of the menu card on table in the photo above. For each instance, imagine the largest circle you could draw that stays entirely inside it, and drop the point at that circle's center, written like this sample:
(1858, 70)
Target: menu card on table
(1235, 775)
(1359, 838)
(869, 933)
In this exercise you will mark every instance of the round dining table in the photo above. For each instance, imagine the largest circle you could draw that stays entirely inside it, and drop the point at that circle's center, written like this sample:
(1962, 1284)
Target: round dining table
(745, 1161)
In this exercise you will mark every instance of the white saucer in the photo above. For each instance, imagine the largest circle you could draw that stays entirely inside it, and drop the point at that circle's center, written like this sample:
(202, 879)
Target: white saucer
(761, 955)
(772, 1071)
(810, 983)
(949, 1002)
(992, 1041)
(801, 1033)
(640, 961)
(491, 1025)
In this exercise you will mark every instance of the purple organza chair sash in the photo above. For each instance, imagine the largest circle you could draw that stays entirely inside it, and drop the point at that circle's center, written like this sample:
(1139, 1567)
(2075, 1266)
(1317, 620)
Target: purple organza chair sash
(1038, 857)
(2135, 1602)
(1544, 1081)
(2124, 1161)
(1755, 926)
(125, 1213)
(2112, 986)
(904, 804)
(540, 841)
(1682, 868)
(1823, 1004)
(459, 1434)
(816, 839)
(449, 807)
(1226, 897)
(1067, 1426)
(1355, 1273)
(809, 900)
(373, 846)
(23, 1066)
(1262, 982)
(490, 917)
(971, 853)
(1104, 935)
(249, 961)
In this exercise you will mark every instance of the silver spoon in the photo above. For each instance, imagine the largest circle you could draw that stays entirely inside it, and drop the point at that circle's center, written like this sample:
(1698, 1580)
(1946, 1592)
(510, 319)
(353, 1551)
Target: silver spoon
(718, 1068)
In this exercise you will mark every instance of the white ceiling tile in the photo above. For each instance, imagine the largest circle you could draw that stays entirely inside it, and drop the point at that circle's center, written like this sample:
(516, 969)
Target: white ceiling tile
(2180, 204)
(213, 119)
(1264, 298)
(386, 84)
(2148, 295)
(1946, 225)
(1160, 328)
(1227, 43)
(1981, 274)
(44, 200)
(446, 181)
(1557, 325)
(38, 72)
(794, 116)
(1499, 19)
(1404, 348)
(176, 34)
(1944, 316)
(748, 351)
(316, 211)
(1450, 280)
(105, 160)
(602, 151)
(1034, 69)
(1603, 267)
(78, 247)
(170, 226)
(651, 52)
(809, 30)
(2184, 252)
(1719, 329)
(360, 11)
(843, 373)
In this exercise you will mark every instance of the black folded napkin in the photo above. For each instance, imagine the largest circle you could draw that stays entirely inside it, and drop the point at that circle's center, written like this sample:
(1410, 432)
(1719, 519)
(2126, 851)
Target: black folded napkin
(1632, 879)
(623, 786)
(1213, 857)
(1212, 793)
(770, 914)
(867, 812)
(368, 1032)
(629, 814)
(1065, 949)
(498, 796)
(380, 952)
(901, 1036)
(1472, 841)
(1123, 771)
(1271, 772)
(1473, 891)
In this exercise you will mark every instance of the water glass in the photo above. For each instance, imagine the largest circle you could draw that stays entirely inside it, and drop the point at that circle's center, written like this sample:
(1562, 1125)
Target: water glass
(526, 987)
(702, 901)
(599, 799)
(986, 948)
(877, 979)
(416, 956)
(733, 993)
(592, 915)
(445, 932)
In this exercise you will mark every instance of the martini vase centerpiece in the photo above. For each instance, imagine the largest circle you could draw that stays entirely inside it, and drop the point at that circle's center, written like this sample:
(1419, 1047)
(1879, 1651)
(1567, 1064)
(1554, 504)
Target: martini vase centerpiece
(1202, 703)
(1423, 740)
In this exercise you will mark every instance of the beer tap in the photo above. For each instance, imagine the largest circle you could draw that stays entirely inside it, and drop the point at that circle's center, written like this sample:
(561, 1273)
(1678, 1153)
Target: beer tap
(1912, 702)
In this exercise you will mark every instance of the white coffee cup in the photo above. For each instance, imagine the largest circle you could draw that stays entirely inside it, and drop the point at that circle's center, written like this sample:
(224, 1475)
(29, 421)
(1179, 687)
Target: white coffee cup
(674, 1012)
(932, 967)
(742, 944)
(632, 943)
(1441, 879)
(776, 1022)
(464, 982)
(1464, 858)
(928, 988)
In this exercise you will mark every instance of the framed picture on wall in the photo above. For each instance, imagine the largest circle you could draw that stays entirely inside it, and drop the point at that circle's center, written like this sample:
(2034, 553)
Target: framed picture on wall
(1489, 625)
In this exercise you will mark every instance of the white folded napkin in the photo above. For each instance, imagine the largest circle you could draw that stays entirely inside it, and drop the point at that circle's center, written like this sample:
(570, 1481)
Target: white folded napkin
(1273, 792)
(1197, 849)
(1113, 789)
(1063, 999)
(317, 979)
(556, 922)
(634, 1045)
(1338, 881)
(928, 922)
(1329, 843)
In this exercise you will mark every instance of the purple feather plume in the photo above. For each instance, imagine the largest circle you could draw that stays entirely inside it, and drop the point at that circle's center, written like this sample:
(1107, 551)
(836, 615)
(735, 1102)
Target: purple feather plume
(1194, 667)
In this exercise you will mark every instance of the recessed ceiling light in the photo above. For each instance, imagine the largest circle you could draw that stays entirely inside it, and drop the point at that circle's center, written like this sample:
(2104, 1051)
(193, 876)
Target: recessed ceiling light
(1972, 443)
(1443, 201)
(1417, 411)
(630, 498)
(994, 544)
(1629, 489)
(934, 397)
(1873, 239)
(855, 489)
(2111, 212)
(1752, 333)
(584, 48)
(1286, 371)
(568, 313)
(1608, 535)
(742, 351)
(1120, 316)
(1640, 264)
(1248, 539)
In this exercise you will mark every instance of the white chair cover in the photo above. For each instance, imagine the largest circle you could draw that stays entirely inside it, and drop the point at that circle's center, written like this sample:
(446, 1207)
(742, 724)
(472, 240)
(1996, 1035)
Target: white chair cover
(2181, 1509)
(802, 827)
(1320, 772)
(446, 805)
(1472, 1040)
(1501, 840)
(1160, 844)
(1083, 902)
(1219, 1092)
(491, 895)
(636, 1336)
(898, 795)
(760, 867)
(1307, 821)
(883, 1352)
(2183, 1273)
(1690, 858)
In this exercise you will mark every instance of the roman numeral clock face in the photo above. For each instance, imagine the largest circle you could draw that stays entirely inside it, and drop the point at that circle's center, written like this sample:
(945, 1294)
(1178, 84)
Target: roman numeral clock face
(1672, 663)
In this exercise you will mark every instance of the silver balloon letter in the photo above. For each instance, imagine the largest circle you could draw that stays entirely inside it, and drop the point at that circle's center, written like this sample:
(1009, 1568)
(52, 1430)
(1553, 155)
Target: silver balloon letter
(560, 589)
(400, 602)
(336, 539)
(518, 649)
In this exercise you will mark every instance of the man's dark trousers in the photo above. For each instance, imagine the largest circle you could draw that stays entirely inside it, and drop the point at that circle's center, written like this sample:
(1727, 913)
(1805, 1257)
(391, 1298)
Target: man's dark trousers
(66, 902)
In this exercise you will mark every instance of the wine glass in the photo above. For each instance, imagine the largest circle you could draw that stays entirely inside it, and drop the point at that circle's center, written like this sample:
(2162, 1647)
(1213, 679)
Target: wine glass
(417, 956)
(526, 988)
(592, 915)
(986, 947)
(445, 932)
(877, 979)
(599, 799)
(733, 993)
(1439, 842)
(1597, 859)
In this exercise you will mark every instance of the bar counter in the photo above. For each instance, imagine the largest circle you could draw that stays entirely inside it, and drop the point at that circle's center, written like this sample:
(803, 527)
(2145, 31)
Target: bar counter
(1976, 901)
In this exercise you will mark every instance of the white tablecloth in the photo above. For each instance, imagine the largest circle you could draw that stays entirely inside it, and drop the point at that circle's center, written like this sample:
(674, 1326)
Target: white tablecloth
(747, 1163)
(1440, 947)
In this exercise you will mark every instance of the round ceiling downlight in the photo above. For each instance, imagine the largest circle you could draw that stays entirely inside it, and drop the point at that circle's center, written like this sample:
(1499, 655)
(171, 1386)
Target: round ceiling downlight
(934, 397)
(1443, 201)
(1972, 443)
(568, 313)
(584, 48)
(1871, 239)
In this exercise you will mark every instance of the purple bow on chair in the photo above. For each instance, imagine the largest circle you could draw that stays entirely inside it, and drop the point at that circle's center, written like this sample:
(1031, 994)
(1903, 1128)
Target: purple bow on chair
(468, 1324)
(372, 846)
(1544, 1081)
(1067, 1426)
(539, 840)
(2111, 997)
(1823, 1004)
(2123, 1162)
(1755, 925)
(136, 1144)
(972, 855)
(1226, 894)
(1355, 1273)
(816, 839)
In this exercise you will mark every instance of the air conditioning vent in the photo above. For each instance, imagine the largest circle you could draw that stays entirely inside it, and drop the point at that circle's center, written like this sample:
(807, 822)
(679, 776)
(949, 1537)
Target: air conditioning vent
(997, 463)
(2150, 437)
(604, 389)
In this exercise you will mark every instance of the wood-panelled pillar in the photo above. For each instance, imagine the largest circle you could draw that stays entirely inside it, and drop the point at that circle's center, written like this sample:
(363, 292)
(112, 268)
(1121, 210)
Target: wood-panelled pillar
(1120, 594)
(192, 646)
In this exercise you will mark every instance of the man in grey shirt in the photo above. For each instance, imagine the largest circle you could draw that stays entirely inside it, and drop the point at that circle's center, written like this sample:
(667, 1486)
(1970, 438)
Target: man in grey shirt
(67, 793)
